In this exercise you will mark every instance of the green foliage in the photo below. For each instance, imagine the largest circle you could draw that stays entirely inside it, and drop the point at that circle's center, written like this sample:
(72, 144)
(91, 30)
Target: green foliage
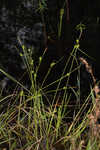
(42, 6)
(29, 120)
(28, 123)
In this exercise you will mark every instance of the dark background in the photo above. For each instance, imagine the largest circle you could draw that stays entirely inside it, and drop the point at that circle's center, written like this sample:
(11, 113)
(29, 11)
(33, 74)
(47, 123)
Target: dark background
(18, 14)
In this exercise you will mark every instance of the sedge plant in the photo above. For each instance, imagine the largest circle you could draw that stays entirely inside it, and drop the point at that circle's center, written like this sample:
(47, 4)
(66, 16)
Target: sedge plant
(28, 123)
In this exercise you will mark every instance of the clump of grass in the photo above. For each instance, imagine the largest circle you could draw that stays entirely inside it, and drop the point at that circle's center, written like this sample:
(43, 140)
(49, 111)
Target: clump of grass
(28, 123)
